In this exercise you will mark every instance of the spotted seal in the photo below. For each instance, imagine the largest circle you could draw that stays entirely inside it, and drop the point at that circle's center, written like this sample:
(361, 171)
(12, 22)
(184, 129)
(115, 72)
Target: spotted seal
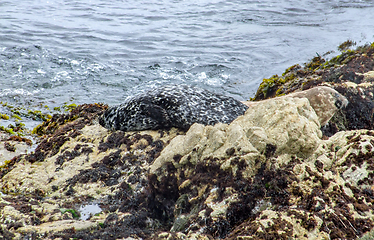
(172, 106)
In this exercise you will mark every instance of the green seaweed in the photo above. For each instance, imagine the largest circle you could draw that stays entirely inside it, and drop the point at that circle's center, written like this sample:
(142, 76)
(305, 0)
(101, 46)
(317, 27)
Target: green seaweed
(316, 63)
(16, 117)
(38, 115)
(70, 107)
(51, 124)
(276, 86)
(6, 164)
(290, 69)
(8, 130)
(268, 83)
(290, 77)
(278, 92)
(4, 116)
(275, 80)
(346, 45)
(341, 59)
(73, 212)
(17, 112)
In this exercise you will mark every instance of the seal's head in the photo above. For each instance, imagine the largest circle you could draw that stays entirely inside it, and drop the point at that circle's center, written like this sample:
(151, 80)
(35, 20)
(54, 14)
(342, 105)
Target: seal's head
(325, 101)
(341, 101)
(107, 118)
(135, 115)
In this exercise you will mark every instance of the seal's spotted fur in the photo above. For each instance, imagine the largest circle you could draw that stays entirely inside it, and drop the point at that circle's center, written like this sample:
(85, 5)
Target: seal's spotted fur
(172, 106)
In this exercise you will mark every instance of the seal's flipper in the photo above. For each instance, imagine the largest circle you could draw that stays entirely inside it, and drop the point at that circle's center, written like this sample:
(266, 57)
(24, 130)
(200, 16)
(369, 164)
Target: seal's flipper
(157, 113)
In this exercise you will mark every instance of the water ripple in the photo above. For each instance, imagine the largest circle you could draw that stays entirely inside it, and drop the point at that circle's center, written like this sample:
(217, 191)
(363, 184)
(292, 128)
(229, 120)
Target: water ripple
(52, 51)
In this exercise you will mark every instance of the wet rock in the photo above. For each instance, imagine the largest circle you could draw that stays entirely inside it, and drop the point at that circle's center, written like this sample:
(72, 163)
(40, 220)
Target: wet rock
(289, 125)
(12, 146)
(267, 173)
(77, 163)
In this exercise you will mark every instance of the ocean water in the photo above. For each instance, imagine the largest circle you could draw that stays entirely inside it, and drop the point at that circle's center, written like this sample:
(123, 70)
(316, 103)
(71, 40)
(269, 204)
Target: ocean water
(65, 51)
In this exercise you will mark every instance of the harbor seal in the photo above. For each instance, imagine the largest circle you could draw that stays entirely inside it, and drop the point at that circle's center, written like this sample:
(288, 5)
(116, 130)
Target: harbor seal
(325, 101)
(172, 106)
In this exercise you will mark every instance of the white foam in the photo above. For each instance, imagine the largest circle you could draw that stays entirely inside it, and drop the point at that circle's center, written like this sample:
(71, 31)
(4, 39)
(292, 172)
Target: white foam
(18, 91)
(89, 210)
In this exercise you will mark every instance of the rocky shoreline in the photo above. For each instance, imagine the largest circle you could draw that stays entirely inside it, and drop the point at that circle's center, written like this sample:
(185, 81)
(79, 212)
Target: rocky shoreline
(273, 173)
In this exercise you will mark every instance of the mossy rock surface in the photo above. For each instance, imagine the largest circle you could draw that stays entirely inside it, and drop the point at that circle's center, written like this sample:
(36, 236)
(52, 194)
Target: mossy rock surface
(85, 111)
(351, 73)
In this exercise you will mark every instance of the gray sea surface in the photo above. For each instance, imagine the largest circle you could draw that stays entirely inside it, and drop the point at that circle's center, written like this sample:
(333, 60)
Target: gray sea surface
(67, 51)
